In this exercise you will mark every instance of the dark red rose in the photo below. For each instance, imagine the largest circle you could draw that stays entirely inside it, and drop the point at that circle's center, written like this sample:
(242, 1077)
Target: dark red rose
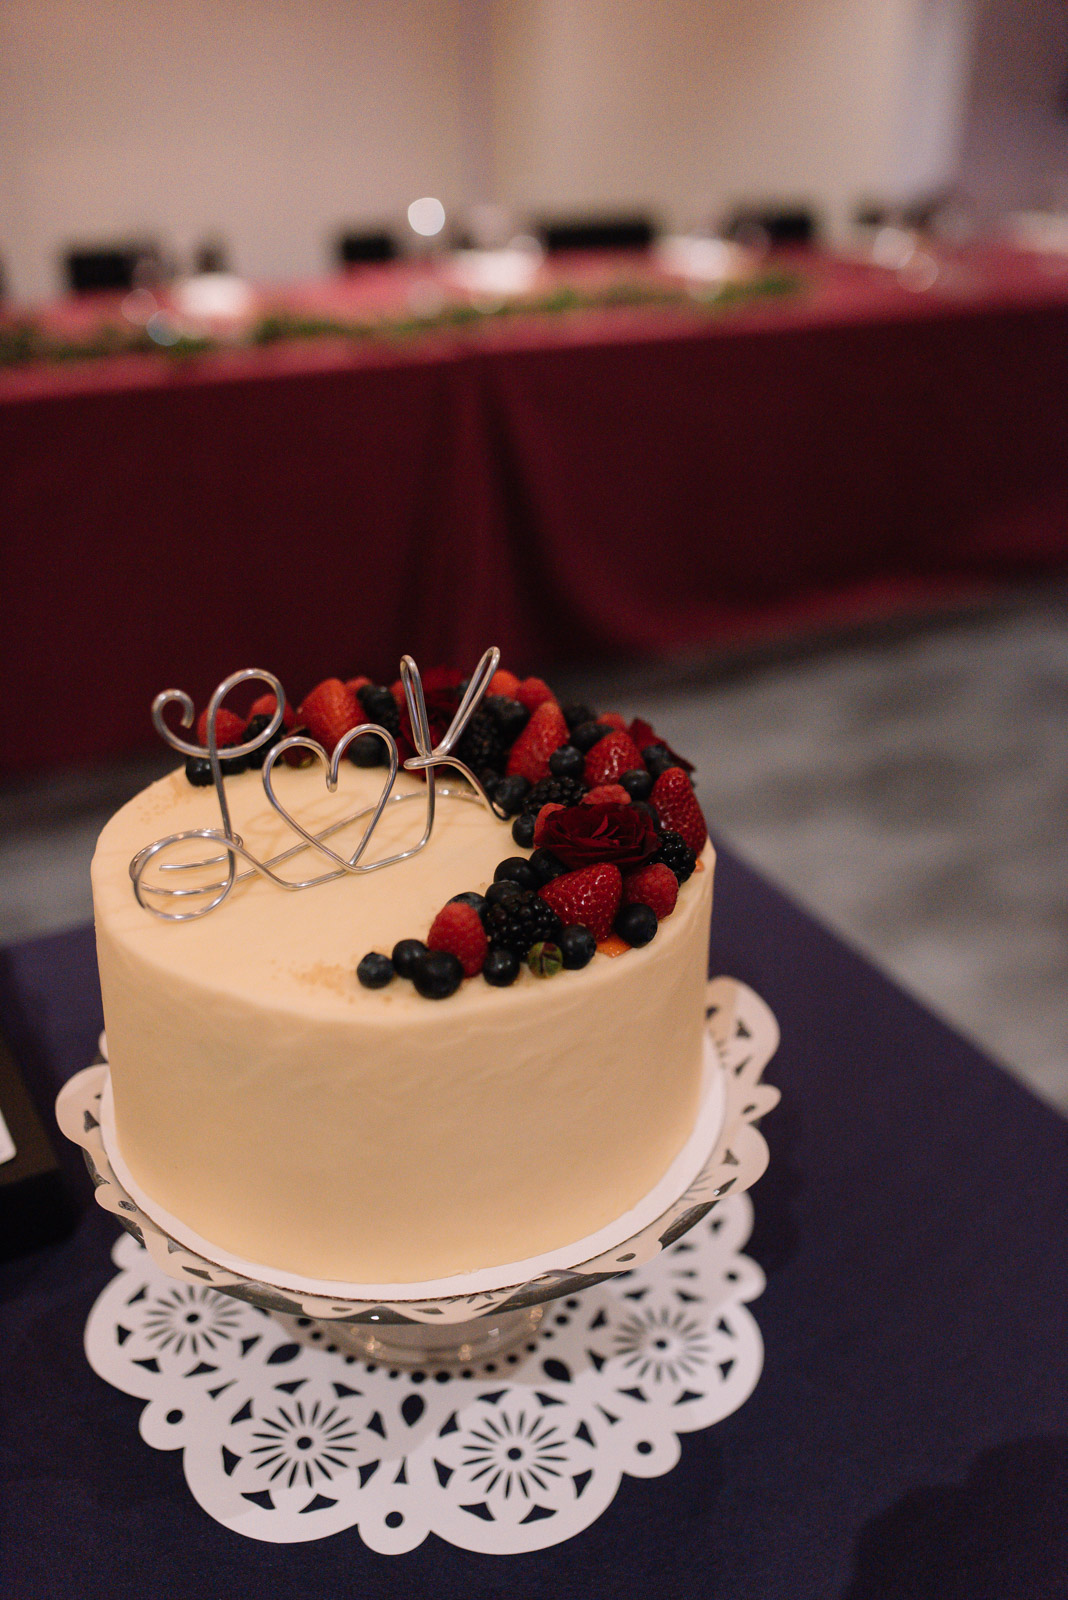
(643, 735)
(441, 691)
(581, 836)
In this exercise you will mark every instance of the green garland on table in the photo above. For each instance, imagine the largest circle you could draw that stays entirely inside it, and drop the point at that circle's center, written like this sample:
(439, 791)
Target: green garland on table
(25, 340)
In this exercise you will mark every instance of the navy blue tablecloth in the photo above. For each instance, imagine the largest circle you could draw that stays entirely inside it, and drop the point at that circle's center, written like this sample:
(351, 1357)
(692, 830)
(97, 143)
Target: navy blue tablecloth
(908, 1438)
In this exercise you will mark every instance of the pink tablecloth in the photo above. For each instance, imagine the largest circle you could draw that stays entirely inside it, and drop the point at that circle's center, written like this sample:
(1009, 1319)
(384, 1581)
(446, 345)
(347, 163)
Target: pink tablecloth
(618, 481)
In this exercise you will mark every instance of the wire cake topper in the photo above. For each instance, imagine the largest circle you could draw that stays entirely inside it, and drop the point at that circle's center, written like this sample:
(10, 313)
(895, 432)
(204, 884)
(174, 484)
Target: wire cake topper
(426, 760)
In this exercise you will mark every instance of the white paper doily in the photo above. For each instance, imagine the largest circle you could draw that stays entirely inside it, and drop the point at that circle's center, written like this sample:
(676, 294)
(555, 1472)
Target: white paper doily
(285, 1439)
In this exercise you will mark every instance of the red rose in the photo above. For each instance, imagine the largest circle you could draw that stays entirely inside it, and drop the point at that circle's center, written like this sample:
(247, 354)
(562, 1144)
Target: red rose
(581, 836)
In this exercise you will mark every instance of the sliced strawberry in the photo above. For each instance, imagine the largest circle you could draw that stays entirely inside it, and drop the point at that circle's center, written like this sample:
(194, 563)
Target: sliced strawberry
(606, 794)
(229, 728)
(675, 804)
(610, 756)
(589, 896)
(458, 929)
(265, 706)
(545, 732)
(533, 692)
(540, 820)
(504, 683)
(329, 711)
(655, 886)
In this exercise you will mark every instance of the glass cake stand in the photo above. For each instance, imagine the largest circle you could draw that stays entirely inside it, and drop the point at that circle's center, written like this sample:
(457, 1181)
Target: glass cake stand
(460, 1329)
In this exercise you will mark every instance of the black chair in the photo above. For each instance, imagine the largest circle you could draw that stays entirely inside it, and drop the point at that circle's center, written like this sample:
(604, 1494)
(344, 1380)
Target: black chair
(356, 249)
(597, 233)
(779, 225)
(88, 268)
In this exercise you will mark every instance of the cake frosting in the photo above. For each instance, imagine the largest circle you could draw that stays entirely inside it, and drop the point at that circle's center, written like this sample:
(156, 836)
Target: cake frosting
(296, 1119)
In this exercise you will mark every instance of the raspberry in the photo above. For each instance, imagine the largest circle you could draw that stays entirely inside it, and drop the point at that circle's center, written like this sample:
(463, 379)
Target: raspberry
(589, 897)
(458, 929)
(607, 794)
(329, 711)
(654, 886)
(610, 756)
(545, 732)
(675, 804)
(229, 729)
(534, 692)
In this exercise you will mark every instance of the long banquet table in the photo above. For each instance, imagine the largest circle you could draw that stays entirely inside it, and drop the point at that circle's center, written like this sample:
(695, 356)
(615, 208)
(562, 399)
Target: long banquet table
(609, 481)
(906, 1441)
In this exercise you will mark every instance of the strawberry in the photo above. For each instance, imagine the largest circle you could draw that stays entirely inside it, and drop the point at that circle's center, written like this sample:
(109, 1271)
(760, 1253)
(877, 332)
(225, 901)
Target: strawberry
(545, 732)
(265, 707)
(541, 818)
(458, 929)
(655, 886)
(675, 804)
(353, 685)
(533, 692)
(397, 691)
(229, 728)
(612, 719)
(606, 794)
(504, 683)
(610, 756)
(329, 711)
(589, 896)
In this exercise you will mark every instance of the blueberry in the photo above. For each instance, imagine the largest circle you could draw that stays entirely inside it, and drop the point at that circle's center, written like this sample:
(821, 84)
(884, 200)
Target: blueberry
(638, 784)
(511, 792)
(588, 734)
(501, 967)
(577, 946)
(567, 762)
(368, 751)
(437, 974)
(647, 810)
(375, 970)
(576, 715)
(232, 766)
(518, 870)
(547, 866)
(489, 781)
(198, 771)
(636, 924)
(469, 898)
(511, 716)
(658, 758)
(253, 728)
(405, 955)
(523, 830)
(378, 702)
(503, 889)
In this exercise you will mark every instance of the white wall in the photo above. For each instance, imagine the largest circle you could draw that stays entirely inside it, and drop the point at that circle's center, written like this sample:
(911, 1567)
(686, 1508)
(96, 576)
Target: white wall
(271, 121)
(274, 121)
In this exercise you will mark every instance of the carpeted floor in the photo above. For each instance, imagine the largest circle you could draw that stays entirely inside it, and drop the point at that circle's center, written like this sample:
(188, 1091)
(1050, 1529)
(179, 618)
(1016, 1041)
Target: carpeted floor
(910, 788)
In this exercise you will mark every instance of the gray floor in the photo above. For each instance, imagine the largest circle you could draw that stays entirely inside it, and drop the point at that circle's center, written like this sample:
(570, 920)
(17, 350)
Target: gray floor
(911, 788)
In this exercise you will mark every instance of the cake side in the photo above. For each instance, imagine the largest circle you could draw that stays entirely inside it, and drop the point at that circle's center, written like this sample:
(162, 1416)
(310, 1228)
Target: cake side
(297, 1119)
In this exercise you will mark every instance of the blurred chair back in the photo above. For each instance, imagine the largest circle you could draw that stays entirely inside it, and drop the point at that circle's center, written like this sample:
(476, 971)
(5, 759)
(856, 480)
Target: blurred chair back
(356, 248)
(211, 255)
(776, 224)
(597, 233)
(87, 268)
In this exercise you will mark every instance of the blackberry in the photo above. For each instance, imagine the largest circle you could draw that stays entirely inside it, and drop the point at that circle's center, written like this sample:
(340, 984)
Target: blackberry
(380, 706)
(518, 922)
(675, 853)
(482, 745)
(555, 792)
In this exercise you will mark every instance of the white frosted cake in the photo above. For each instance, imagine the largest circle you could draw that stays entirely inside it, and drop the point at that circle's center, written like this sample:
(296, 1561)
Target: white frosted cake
(294, 1117)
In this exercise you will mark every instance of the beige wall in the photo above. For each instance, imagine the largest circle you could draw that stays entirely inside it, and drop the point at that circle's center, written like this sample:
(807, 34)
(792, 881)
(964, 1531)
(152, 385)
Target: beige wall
(272, 121)
(269, 120)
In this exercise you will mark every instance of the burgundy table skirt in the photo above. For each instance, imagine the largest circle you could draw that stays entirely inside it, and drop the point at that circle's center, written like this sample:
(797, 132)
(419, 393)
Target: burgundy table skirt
(621, 482)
